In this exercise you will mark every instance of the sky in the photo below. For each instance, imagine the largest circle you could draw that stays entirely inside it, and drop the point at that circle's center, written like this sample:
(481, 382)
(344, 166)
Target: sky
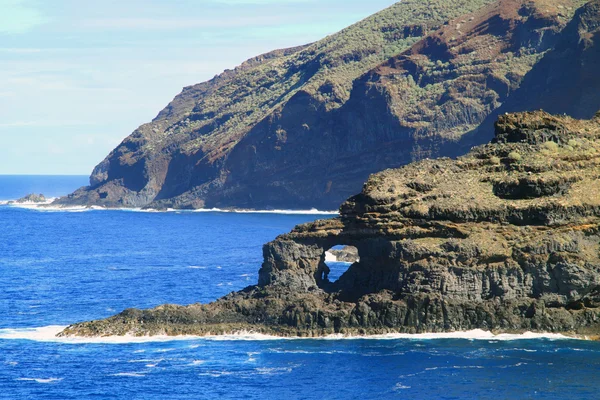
(78, 76)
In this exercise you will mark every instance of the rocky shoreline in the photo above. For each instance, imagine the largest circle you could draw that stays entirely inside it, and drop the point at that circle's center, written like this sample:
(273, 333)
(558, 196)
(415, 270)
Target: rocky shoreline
(504, 239)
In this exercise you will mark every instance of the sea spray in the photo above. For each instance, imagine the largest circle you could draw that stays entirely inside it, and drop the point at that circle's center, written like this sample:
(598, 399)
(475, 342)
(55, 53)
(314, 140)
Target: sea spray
(49, 334)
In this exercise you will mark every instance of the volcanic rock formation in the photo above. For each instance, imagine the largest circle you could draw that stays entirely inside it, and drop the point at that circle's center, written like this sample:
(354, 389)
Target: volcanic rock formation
(305, 127)
(506, 238)
(31, 198)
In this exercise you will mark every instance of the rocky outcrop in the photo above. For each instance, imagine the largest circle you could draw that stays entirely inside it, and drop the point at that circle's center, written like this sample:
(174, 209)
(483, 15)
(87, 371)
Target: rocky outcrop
(506, 238)
(31, 198)
(305, 127)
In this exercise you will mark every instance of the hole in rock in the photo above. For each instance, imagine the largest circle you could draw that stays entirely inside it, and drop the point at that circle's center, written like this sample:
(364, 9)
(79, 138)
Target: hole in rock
(338, 259)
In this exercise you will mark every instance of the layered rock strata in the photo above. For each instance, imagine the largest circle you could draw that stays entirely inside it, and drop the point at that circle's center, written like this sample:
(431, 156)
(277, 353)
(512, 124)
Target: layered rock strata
(506, 238)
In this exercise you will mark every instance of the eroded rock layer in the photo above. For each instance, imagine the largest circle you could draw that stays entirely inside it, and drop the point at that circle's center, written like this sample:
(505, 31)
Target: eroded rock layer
(506, 238)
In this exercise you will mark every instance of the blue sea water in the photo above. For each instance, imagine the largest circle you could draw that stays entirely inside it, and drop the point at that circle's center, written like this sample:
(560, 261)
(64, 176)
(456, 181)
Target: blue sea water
(60, 267)
(14, 187)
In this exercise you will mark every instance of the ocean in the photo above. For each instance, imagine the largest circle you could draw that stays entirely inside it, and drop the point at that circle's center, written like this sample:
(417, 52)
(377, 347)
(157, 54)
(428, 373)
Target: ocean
(60, 267)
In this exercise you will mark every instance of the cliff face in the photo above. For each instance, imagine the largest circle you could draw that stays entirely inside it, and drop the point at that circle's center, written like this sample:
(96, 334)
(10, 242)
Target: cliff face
(305, 127)
(506, 238)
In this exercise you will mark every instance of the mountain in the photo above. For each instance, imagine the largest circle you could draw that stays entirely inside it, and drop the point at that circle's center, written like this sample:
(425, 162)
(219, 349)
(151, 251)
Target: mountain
(505, 238)
(305, 127)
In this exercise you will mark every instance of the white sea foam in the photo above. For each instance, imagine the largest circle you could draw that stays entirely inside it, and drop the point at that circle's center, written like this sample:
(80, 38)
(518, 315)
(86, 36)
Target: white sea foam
(400, 386)
(147, 360)
(273, 371)
(47, 206)
(28, 204)
(329, 257)
(40, 380)
(48, 334)
(312, 211)
(216, 374)
(130, 374)
(476, 334)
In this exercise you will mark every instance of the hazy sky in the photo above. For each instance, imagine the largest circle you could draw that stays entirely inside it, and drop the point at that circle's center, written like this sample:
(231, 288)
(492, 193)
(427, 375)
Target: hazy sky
(78, 76)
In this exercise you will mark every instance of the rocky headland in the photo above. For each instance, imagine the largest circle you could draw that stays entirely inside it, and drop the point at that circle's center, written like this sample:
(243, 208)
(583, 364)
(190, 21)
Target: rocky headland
(505, 238)
(30, 198)
(304, 127)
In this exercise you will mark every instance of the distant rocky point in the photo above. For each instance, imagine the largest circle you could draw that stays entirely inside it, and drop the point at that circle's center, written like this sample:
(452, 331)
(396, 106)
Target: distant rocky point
(505, 238)
(31, 198)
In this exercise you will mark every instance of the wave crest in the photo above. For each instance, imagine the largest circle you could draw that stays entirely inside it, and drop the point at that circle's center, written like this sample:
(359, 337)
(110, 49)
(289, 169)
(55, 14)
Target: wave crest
(48, 207)
(48, 334)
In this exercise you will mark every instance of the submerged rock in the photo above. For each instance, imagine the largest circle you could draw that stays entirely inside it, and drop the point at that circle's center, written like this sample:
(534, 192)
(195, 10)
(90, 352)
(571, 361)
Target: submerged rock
(506, 238)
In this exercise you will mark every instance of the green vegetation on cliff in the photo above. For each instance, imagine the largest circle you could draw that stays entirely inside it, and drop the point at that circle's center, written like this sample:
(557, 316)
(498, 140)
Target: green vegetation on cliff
(305, 127)
(325, 69)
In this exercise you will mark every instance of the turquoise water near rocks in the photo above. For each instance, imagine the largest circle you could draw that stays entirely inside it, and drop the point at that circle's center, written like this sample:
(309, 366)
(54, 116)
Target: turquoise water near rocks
(60, 267)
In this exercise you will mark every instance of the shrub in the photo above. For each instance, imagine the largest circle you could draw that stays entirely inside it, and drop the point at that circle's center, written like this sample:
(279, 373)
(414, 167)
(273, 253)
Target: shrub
(551, 146)
(514, 156)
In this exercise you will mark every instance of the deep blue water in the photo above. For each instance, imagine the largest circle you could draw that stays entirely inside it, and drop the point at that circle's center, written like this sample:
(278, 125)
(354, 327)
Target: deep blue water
(61, 267)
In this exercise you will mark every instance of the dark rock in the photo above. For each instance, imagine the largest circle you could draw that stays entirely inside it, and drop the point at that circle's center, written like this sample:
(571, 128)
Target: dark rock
(32, 198)
(305, 127)
(454, 257)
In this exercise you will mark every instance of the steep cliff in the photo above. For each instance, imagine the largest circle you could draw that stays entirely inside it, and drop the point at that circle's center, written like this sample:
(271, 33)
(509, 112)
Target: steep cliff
(305, 127)
(506, 238)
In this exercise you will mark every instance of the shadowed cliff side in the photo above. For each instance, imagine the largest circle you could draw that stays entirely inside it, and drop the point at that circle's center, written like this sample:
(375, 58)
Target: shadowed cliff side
(506, 238)
(305, 127)
(565, 80)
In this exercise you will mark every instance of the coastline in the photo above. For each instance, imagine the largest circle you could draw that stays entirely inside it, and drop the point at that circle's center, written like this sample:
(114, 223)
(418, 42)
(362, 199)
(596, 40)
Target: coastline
(47, 206)
(50, 334)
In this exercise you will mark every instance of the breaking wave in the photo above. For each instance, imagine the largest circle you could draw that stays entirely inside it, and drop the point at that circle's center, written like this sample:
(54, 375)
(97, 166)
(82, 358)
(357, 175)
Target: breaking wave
(48, 207)
(329, 257)
(41, 380)
(48, 334)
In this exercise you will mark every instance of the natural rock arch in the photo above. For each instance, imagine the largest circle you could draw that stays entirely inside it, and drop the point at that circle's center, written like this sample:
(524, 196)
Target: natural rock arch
(439, 250)
(335, 263)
